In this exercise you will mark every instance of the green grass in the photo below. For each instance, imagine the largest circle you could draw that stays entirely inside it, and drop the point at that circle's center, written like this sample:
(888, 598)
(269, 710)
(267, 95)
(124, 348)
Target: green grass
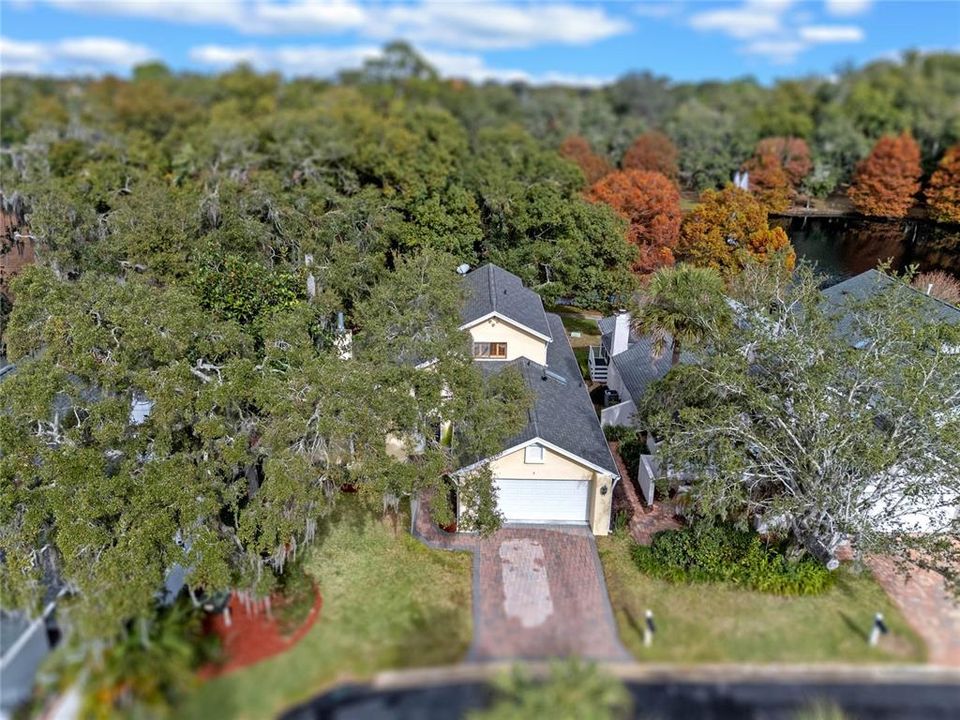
(720, 623)
(388, 602)
(579, 323)
(583, 355)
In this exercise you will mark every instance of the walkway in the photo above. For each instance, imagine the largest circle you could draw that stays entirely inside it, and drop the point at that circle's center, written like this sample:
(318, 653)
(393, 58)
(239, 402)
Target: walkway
(924, 601)
(645, 521)
(538, 592)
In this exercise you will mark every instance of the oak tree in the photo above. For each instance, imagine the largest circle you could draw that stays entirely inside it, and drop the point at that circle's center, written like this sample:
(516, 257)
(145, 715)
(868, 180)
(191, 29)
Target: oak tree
(827, 421)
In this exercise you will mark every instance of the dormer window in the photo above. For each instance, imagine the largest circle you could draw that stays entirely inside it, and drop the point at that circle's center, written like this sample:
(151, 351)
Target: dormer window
(533, 454)
(490, 350)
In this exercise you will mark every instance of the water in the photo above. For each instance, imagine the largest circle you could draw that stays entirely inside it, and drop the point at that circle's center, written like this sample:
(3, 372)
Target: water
(843, 247)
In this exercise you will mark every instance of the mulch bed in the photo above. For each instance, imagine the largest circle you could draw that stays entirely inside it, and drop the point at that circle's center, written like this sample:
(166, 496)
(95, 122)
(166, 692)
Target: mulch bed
(252, 636)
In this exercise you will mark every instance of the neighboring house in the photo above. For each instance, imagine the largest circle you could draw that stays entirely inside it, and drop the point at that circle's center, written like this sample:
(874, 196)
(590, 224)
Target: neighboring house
(24, 643)
(558, 469)
(628, 364)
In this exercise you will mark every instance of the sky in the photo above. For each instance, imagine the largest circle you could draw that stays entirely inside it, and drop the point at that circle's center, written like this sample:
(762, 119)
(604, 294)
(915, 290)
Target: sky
(586, 43)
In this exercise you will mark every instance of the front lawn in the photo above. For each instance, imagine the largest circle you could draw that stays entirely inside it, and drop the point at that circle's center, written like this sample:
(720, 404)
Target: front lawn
(388, 602)
(719, 623)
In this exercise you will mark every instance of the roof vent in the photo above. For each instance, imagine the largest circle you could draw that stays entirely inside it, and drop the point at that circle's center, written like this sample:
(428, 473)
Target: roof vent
(554, 376)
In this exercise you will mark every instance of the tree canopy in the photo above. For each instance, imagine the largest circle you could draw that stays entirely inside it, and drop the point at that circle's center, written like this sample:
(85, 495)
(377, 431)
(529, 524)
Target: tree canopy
(827, 421)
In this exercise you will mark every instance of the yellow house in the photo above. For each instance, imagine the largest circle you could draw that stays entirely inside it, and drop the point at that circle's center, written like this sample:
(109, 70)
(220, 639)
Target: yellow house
(559, 469)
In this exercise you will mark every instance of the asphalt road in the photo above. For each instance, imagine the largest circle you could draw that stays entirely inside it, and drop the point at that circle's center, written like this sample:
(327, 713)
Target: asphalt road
(657, 701)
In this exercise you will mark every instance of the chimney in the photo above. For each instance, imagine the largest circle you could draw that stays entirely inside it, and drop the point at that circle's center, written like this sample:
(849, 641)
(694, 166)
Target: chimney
(621, 333)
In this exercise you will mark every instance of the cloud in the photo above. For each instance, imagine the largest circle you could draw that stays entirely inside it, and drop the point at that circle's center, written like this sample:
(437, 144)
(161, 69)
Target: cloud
(819, 34)
(750, 20)
(782, 52)
(657, 10)
(71, 56)
(323, 61)
(497, 25)
(475, 25)
(846, 8)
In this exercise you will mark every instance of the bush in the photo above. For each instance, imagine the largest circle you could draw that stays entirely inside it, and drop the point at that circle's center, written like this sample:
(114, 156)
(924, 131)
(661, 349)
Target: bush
(619, 433)
(630, 450)
(721, 553)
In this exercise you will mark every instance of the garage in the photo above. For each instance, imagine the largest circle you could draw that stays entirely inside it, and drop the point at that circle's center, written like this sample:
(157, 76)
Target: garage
(543, 501)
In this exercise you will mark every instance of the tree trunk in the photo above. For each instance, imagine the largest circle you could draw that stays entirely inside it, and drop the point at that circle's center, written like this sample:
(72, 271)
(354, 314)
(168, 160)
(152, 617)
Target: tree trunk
(675, 360)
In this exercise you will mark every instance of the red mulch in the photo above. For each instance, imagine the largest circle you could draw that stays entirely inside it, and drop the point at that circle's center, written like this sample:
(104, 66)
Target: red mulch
(252, 636)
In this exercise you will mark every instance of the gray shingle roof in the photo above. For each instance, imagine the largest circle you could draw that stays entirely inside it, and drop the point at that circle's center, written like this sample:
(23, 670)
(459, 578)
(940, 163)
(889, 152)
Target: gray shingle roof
(862, 286)
(636, 365)
(492, 289)
(562, 413)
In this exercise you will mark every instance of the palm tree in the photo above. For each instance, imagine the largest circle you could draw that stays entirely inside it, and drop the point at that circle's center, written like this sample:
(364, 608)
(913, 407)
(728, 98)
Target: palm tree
(681, 305)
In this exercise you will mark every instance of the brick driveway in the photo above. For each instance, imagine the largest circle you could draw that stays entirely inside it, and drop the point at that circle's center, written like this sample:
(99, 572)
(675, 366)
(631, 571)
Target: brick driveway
(538, 592)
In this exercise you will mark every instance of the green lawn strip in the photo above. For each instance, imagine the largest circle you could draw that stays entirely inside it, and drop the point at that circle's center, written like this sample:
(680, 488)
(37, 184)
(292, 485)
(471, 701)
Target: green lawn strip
(388, 602)
(720, 623)
(582, 354)
(579, 323)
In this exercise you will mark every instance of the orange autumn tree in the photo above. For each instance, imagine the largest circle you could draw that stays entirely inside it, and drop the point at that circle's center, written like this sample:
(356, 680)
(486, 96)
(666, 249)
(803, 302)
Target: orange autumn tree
(887, 180)
(651, 204)
(578, 150)
(652, 151)
(943, 191)
(730, 228)
(768, 181)
(793, 154)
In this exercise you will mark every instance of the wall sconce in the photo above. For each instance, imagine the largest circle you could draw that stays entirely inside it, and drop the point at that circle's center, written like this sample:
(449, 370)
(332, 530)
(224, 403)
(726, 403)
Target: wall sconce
(603, 489)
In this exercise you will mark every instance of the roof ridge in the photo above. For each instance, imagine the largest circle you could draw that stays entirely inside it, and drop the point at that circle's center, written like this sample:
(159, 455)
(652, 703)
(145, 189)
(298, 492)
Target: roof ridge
(493, 287)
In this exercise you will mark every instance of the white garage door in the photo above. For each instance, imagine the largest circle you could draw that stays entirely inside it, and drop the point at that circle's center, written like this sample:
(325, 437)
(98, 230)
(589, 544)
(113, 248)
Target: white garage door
(543, 501)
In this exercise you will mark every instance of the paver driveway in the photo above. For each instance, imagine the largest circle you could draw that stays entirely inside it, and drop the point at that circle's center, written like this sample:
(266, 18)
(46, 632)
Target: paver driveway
(538, 592)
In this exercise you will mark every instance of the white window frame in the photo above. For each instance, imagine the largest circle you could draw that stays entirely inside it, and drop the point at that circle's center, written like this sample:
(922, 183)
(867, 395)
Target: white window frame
(534, 455)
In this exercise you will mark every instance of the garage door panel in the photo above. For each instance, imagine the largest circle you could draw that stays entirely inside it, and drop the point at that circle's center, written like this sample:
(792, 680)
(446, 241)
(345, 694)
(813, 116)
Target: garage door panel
(543, 501)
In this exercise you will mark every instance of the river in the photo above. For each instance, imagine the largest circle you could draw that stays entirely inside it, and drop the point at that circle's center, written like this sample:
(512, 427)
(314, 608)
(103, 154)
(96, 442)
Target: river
(841, 247)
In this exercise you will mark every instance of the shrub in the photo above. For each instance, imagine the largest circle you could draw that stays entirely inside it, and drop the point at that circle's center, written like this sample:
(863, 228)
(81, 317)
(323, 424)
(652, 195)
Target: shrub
(630, 449)
(619, 433)
(721, 553)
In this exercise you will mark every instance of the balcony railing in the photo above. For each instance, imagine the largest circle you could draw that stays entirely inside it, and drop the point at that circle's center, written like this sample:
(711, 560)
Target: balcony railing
(598, 363)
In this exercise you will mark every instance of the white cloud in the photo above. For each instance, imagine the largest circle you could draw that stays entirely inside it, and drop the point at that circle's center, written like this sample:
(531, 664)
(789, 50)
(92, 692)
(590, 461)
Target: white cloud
(488, 24)
(818, 34)
(319, 60)
(846, 8)
(495, 24)
(71, 55)
(781, 52)
(750, 20)
(290, 60)
(657, 9)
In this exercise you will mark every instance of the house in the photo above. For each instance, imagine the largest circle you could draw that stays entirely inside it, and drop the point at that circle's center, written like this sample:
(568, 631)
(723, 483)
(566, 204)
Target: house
(558, 469)
(628, 363)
